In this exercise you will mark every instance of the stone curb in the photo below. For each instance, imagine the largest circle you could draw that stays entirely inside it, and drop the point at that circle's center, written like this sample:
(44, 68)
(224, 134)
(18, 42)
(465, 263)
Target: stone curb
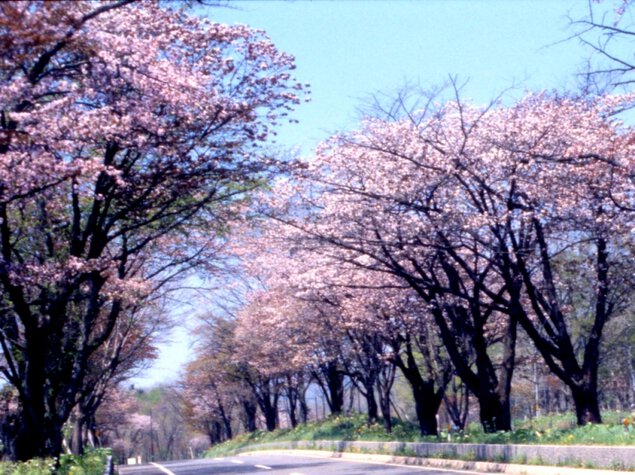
(462, 465)
(608, 458)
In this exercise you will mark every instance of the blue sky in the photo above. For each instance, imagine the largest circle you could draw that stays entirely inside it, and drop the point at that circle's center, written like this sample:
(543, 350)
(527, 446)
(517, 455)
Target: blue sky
(348, 50)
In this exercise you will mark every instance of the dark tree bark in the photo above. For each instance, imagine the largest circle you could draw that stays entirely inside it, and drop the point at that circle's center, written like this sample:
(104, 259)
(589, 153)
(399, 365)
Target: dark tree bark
(295, 390)
(304, 411)
(427, 393)
(371, 403)
(457, 404)
(385, 383)
(271, 417)
(462, 329)
(250, 409)
(266, 392)
(369, 371)
(330, 378)
(550, 331)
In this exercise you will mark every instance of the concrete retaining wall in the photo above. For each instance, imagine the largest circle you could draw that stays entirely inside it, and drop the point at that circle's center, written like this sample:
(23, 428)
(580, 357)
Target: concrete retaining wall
(608, 457)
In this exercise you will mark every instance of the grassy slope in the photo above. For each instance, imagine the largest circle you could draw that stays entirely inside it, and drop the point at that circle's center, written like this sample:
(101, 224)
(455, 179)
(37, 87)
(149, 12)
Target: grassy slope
(558, 430)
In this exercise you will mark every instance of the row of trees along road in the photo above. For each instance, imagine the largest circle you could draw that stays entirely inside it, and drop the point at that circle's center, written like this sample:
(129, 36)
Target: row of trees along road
(449, 242)
(129, 135)
(426, 241)
(423, 242)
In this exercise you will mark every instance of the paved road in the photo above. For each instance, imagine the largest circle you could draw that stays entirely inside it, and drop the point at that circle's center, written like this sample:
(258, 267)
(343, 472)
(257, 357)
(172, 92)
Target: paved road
(274, 464)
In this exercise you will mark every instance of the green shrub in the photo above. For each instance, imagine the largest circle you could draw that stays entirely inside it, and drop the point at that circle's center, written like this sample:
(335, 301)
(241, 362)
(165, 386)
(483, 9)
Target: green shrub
(92, 462)
(32, 467)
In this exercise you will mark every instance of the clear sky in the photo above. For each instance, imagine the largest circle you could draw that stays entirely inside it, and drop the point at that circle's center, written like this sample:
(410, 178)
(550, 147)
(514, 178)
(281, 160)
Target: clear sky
(347, 50)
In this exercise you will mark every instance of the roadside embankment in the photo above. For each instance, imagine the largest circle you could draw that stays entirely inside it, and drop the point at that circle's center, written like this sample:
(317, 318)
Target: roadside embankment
(462, 465)
(499, 458)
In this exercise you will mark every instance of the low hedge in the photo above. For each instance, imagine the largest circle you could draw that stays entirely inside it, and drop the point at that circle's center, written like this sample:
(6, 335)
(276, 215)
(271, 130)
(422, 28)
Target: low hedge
(93, 462)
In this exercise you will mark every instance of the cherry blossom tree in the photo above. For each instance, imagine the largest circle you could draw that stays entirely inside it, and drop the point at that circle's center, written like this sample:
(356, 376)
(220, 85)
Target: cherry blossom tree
(365, 229)
(486, 212)
(605, 32)
(272, 351)
(146, 423)
(343, 321)
(129, 134)
(115, 425)
(225, 375)
(287, 325)
(572, 250)
(130, 347)
(383, 329)
(209, 400)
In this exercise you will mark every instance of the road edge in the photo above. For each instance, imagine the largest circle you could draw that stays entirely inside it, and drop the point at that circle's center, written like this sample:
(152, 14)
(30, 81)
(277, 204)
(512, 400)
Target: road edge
(448, 464)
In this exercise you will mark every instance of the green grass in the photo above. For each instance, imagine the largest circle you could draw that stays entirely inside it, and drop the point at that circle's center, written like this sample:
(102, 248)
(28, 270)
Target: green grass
(91, 463)
(592, 434)
(353, 427)
(558, 430)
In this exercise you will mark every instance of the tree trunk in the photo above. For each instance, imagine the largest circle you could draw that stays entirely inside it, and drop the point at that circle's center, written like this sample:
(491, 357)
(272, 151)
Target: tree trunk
(227, 420)
(491, 390)
(427, 399)
(27, 442)
(293, 418)
(494, 414)
(8, 432)
(426, 406)
(77, 438)
(228, 429)
(505, 374)
(267, 398)
(292, 400)
(384, 403)
(587, 407)
(331, 382)
(556, 346)
(335, 382)
(37, 442)
(457, 404)
(371, 403)
(250, 409)
(213, 433)
(40, 432)
(271, 417)
(385, 381)
(304, 410)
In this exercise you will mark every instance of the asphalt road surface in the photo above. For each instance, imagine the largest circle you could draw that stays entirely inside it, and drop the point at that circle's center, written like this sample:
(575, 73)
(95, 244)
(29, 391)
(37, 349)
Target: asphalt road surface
(274, 464)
